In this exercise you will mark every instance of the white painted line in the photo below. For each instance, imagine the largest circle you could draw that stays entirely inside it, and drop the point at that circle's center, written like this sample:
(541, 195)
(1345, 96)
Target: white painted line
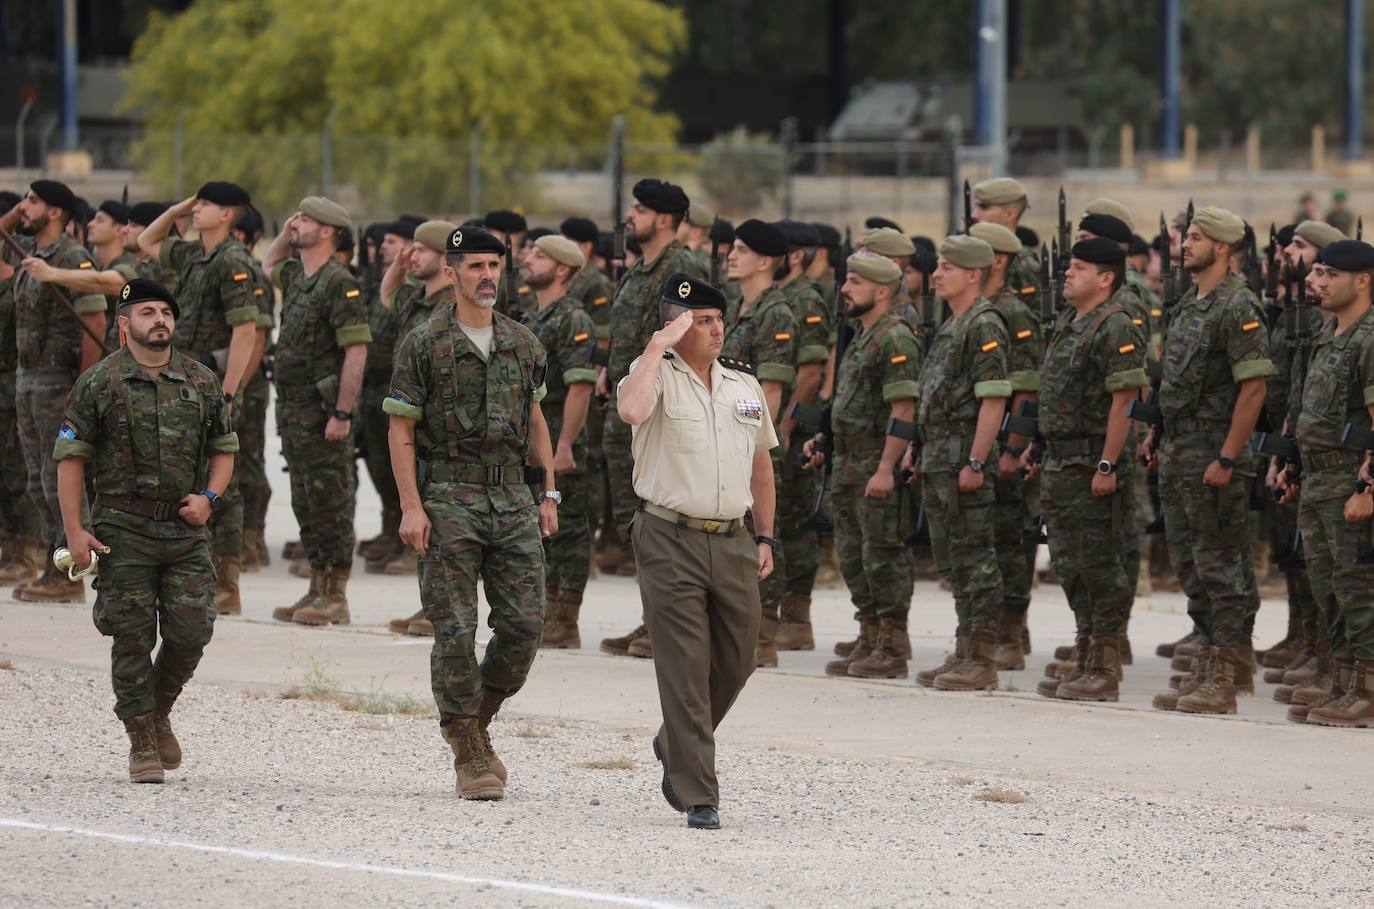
(284, 858)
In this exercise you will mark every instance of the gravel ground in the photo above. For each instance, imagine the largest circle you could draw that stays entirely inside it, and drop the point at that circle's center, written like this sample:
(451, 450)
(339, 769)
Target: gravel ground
(306, 780)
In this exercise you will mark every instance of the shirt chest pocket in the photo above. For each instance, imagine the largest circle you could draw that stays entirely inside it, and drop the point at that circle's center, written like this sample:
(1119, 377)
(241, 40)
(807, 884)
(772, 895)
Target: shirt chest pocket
(297, 321)
(179, 431)
(686, 428)
(745, 429)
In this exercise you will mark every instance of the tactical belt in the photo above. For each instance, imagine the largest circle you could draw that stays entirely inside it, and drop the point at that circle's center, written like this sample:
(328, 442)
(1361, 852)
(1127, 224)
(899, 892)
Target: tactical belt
(481, 474)
(1187, 425)
(702, 524)
(1330, 459)
(298, 393)
(148, 508)
(861, 443)
(1069, 448)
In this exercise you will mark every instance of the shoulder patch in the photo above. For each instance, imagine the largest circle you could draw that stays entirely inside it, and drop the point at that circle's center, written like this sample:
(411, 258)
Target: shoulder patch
(1028, 290)
(898, 359)
(990, 346)
(240, 276)
(86, 264)
(259, 292)
(814, 320)
(783, 336)
(524, 290)
(1250, 326)
(68, 430)
(1156, 313)
(599, 301)
(580, 337)
(1137, 322)
(355, 292)
(1023, 334)
(1125, 349)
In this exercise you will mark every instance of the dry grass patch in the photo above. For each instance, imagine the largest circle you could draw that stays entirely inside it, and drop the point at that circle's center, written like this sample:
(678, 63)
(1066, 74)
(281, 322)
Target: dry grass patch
(7, 666)
(963, 780)
(1287, 828)
(527, 730)
(1004, 795)
(316, 684)
(615, 764)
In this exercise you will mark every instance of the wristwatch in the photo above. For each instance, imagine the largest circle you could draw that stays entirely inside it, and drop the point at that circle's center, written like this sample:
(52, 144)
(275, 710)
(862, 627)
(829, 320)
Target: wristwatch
(976, 465)
(772, 543)
(228, 397)
(343, 415)
(1106, 467)
(555, 496)
(216, 500)
(1226, 462)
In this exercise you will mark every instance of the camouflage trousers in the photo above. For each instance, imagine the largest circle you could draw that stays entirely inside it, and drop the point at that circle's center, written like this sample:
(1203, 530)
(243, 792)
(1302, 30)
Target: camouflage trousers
(868, 543)
(17, 512)
(1209, 539)
(962, 536)
(1343, 589)
(774, 586)
(1085, 547)
(1015, 552)
(615, 445)
(796, 502)
(146, 584)
(567, 554)
(596, 476)
(375, 425)
(250, 467)
(1283, 527)
(323, 495)
(471, 540)
(40, 400)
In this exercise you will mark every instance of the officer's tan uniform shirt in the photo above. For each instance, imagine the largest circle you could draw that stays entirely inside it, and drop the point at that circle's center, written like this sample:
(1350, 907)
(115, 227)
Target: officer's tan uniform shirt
(695, 453)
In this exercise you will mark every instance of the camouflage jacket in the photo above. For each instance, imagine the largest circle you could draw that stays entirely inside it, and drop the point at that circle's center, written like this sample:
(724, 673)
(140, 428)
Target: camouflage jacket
(634, 311)
(129, 267)
(764, 336)
(1339, 389)
(1025, 340)
(593, 290)
(321, 314)
(412, 306)
(966, 362)
(385, 328)
(46, 334)
(214, 290)
(568, 336)
(813, 318)
(880, 366)
(9, 351)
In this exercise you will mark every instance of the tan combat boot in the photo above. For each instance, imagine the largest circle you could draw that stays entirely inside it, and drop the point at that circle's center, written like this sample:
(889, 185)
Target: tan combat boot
(621, 646)
(227, 600)
(560, 627)
(1244, 682)
(52, 587)
(886, 660)
(486, 712)
(926, 677)
(250, 563)
(402, 562)
(641, 648)
(1217, 694)
(1300, 657)
(794, 627)
(370, 547)
(292, 551)
(868, 640)
(144, 764)
(420, 628)
(845, 648)
(1123, 642)
(475, 779)
(1009, 651)
(1098, 681)
(1355, 708)
(1202, 669)
(1282, 653)
(25, 559)
(1337, 683)
(259, 543)
(331, 606)
(287, 613)
(1168, 651)
(1057, 672)
(168, 748)
(976, 673)
(401, 626)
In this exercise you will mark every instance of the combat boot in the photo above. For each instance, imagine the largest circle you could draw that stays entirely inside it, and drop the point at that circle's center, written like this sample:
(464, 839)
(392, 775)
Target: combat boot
(292, 550)
(1282, 653)
(250, 563)
(1099, 680)
(765, 654)
(25, 559)
(977, 672)
(926, 677)
(144, 764)
(486, 712)
(1244, 682)
(1057, 672)
(621, 646)
(560, 627)
(287, 613)
(845, 648)
(401, 626)
(1300, 658)
(381, 553)
(420, 628)
(475, 779)
(642, 649)
(369, 548)
(402, 562)
(227, 600)
(794, 626)
(1025, 634)
(610, 557)
(1123, 642)
(1337, 684)
(1189, 640)
(1202, 668)
(886, 660)
(331, 606)
(1319, 687)
(300, 568)
(52, 587)
(1304, 672)
(1217, 694)
(1355, 708)
(1009, 650)
(258, 536)
(868, 640)
(168, 748)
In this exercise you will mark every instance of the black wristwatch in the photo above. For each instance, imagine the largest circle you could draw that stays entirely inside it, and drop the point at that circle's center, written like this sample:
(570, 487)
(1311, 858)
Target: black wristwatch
(216, 500)
(1226, 462)
(1106, 467)
(343, 415)
(228, 397)
(772, 543)
(976, 465)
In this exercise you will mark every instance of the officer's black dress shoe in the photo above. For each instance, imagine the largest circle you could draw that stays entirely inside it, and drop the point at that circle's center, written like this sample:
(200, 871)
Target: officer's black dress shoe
(704, 817)
(668, 794)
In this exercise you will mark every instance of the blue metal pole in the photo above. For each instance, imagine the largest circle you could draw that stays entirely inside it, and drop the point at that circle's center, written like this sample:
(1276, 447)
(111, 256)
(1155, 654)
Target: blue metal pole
(67, 60)
(1170, 61)
(982, 77)
(1354, 79)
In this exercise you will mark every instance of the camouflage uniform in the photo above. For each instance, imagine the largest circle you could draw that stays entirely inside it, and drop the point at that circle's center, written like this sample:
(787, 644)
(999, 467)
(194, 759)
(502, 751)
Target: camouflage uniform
(594, 290)
(321, 314)
(472, 430)
(18, 513)
(129, 267)
(1214, 343)
(413, 307)
(966, 363)
(147, 444)
(799, 488)
(386, 331)
(1024, 275)
(251, 465)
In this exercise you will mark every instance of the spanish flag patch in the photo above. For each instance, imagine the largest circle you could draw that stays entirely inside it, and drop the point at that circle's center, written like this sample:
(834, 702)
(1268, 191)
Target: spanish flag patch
(1156, 313)
(897, 360)
(1125, 349)
(1137, 322)
(259, 292)
(241, 276)
(599, 301)
(782, 336)
(814, 320)
(1028, 290)
(1250, 326)
(580, 337)
(1023, 334)
(350, 294)
(85, 265)
(990, 346)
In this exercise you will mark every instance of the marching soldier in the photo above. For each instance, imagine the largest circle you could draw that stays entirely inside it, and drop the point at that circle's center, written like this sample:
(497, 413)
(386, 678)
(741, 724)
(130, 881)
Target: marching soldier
(321, 355)
(153, 425)
(465, 402)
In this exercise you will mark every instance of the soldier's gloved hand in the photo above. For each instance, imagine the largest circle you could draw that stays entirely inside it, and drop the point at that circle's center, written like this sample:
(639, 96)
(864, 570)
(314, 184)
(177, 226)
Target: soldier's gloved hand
(80, 544)
(881, 484)
(1359, 507)
(414, 530)
(194, 509)
(548, 518)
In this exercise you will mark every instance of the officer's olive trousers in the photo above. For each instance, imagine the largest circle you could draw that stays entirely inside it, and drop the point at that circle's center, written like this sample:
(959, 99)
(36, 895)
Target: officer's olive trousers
(701, 604)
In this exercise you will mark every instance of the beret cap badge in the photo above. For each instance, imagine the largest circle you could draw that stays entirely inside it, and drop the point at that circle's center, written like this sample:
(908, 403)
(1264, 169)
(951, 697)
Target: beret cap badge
(457, 238)
(124, 294)
(684, 290)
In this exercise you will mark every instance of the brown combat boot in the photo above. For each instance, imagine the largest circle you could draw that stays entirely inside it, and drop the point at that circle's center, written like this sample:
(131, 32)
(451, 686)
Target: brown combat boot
(227, 569)
(52, 587)
(1300, 658)
(1244, 682)
(258, 536)
(1355, 708)
(1318, 688)
(369, 548)
(475, 778)
(300, 568)
(287, 613)
(251, 563)
(144, 764)
(400, 626)
(886, 660)
(331, 606)
(926, 677)
(1123, 642)
(641, 649)
(845, 648)
(1025, 634)
(403, 562)
(1282, 653)
(794, 625)
(25, 559)
(1217, 694)
(1099, 679)
(1009, 651)
(420, 628)
(486, 712)
(609, 559)
(1202, 668)
(168, 748)
(977, 672)
(621, 646)
(1060, 671)
(1188, 641)
(292, 551)
(1337, 681)
(765, 654)
(868, 640)
(1308, 670)
(560, 627)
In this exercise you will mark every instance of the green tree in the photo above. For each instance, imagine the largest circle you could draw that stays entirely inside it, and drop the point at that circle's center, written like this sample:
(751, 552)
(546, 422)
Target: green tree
(253, 83)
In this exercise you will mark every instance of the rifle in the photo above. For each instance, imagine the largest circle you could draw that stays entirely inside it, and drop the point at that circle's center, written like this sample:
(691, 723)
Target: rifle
(1063, 235)
(1048, 290)
(1185, 277)
(715, 254)
(927, 303)
(1254, 276)
(59, 293)
(1285, 449)
(1169, 287)
(968, 207)
(618, 251)
(1272, 309)
(512, 292)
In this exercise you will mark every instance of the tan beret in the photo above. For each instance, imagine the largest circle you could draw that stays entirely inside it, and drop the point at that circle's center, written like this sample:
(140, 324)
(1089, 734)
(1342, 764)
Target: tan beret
(326, 211)
(998, 237)
(999, 191)
(1113, 208)
(1219, 224)
(562, 250)
(874, 267)
(434, 234)
(888, 242)
(966, 252)
(700, 216)
(1318, 233)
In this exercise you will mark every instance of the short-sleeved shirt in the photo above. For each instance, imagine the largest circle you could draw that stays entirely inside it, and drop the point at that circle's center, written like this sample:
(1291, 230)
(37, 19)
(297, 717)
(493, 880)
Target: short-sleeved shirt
(764, 336)
(321, 314)
(214, 291)
(695, 452)
(47, 335)
(413, 306)
(163, 430)
(568, 336)
(813, 318)
(593, 290)
(1339, 389)
(966, 363)
(634, 309)
(1025, 340)
(880, 366)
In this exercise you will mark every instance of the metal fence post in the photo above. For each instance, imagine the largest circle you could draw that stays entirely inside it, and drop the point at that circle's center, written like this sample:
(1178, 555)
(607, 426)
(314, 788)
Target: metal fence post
(789, 143)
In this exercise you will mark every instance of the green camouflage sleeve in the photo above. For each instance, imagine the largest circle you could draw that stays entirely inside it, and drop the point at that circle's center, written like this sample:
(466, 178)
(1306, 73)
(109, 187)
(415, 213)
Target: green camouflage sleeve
(579, 337)
(985, 350)
(176, 252)
(348, 311)
(901, 363)
(1365, 370)
(287, 272)
(1119, 349)
(223, 439)
(410, 377)
(1025, 339)
(236, 288)
(813, 330)
(774, 343)
(265, 299)
(1247, 341)
(80, 431)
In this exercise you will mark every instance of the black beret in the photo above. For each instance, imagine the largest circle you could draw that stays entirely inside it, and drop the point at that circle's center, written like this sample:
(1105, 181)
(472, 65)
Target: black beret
(925, 260)
(693, 293)
(722, 232)
(580, 230)
(1285, 234)
(146, 213)
(404, 229)
(605, 244)
(343, 239)
(537, 232)
(1347, 255)
(876, 222)
(1138, 246)
(474, 240)
(141, 290)
(473, 224)
(1027, 236)
(56, 193)
(1107, 226)
(250, 222)
(84, 212)
(828, 234)
(661, 196)
(763, 238)
(798, 233)
(1099, 250)
(417, 220)
(118, 211)
(924, 243)
(222, 192)
(504, 220)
